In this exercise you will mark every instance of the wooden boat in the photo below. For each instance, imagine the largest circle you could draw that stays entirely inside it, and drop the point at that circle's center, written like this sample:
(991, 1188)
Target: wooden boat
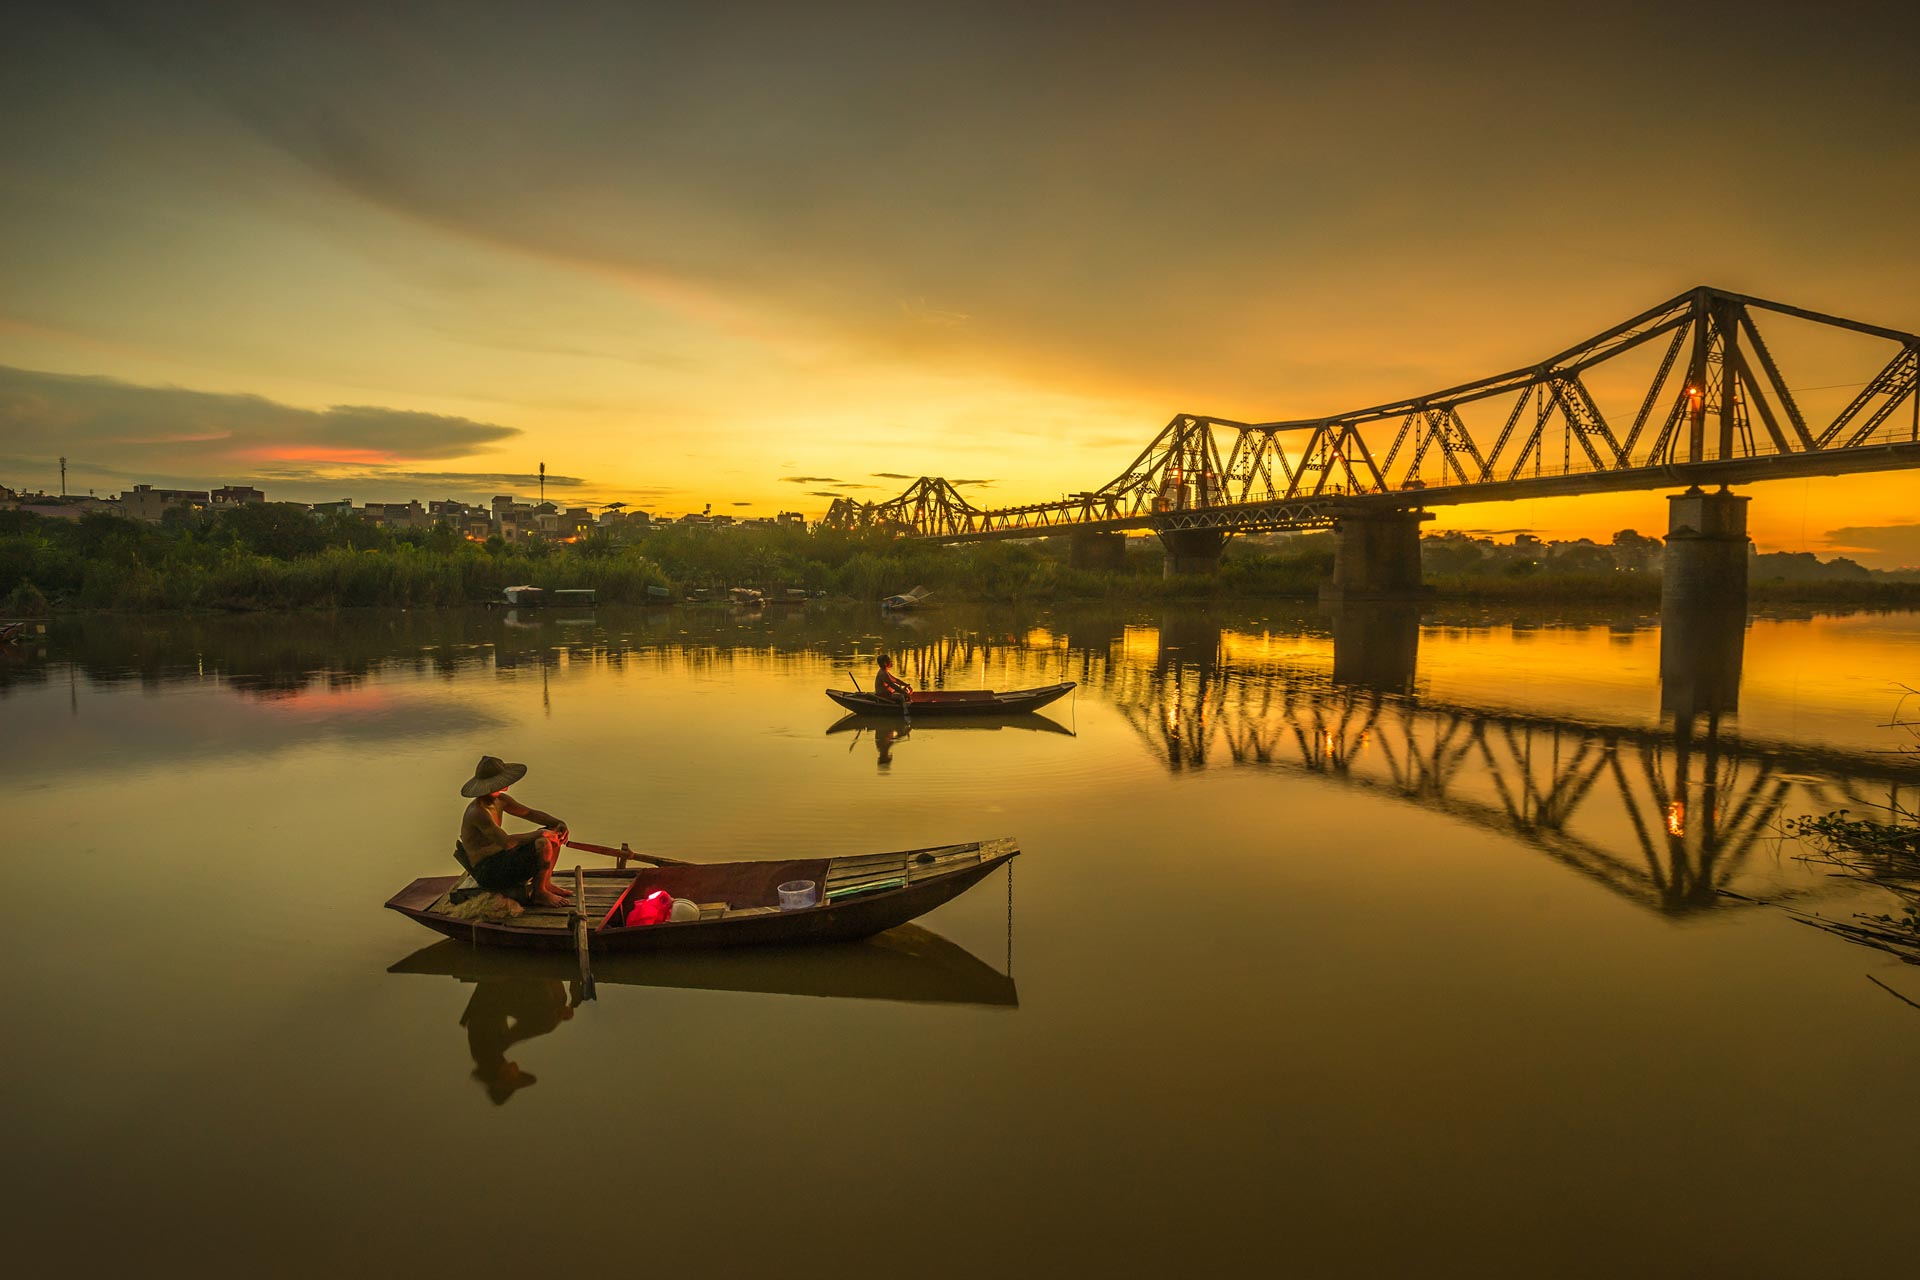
(953, 702)
(739, 901)
(906, 600)
(908, 963)
(536, 598)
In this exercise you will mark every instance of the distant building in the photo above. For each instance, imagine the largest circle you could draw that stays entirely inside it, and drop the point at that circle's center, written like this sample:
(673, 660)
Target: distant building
(235, 495)
(51, 507)
(396, 515)
(626, 521)
(341, 507)
(793, 518)
(144, 502)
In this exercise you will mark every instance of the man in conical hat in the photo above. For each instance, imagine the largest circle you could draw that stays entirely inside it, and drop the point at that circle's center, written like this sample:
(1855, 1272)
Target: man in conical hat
(506, 863)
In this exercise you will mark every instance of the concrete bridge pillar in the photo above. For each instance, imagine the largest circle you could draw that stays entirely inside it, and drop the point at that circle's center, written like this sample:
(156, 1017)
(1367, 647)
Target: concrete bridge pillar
(1706, 555)
(1089, 549)
(1192, 551)
(1376, 557)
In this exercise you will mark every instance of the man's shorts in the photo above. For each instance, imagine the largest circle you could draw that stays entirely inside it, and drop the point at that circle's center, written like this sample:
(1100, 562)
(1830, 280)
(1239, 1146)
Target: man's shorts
(511, 867)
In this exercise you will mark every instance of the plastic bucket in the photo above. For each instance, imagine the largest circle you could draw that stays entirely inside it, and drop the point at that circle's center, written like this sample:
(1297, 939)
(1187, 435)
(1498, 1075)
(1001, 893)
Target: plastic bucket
(795, 894)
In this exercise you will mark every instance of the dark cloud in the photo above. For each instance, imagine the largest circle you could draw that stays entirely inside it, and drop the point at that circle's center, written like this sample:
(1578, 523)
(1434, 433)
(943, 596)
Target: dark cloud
(115, 432)
(1885, 546)
(812, 479)
(851, 166)
(959, 484)
(824, 493)
(894, 475)
(743, 504)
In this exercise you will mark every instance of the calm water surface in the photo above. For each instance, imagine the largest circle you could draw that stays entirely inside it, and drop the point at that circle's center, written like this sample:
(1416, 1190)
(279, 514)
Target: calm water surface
(1381, 945)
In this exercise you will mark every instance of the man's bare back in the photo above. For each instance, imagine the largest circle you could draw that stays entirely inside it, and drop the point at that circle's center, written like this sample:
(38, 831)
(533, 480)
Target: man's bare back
(500, 860)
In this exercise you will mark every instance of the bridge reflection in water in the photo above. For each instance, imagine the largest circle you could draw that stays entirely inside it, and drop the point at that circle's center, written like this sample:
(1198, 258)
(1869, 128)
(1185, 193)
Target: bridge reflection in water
(1665, 813)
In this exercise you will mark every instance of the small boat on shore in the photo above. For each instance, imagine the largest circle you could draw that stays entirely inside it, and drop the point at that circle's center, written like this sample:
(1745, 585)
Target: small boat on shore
(906, 600)
(740, 903)
(524, 597)
(954, 702)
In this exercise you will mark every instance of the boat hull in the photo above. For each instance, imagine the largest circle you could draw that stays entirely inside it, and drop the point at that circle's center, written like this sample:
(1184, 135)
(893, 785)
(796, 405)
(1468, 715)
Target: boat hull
(848, 920)
(940, 704)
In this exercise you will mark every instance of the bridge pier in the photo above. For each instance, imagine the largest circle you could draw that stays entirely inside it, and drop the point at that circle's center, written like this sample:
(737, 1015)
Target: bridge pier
(1706, 553)
(1376, 557)
(1088, 549)
(1192, 552)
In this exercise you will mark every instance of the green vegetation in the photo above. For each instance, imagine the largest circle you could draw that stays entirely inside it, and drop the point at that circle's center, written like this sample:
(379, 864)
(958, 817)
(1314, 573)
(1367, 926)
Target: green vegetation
(1883, 851)
(280, 556)
(275, 556)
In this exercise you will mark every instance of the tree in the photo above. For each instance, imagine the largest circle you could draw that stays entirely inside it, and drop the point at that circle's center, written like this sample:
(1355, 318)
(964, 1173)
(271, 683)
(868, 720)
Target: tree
(279, 529)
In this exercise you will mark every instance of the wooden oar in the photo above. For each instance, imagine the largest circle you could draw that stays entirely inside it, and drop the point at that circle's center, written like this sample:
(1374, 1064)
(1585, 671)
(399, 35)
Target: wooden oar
(577, 918)
(623, 853)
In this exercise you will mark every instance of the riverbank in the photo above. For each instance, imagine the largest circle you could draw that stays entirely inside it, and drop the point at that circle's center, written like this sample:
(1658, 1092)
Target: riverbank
(114, 565)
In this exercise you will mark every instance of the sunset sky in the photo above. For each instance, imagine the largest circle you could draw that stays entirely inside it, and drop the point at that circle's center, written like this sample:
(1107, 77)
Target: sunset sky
(760, 256)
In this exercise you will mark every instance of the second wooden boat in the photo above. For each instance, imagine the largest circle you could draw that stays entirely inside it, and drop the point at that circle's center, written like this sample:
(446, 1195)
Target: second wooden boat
(954, 702)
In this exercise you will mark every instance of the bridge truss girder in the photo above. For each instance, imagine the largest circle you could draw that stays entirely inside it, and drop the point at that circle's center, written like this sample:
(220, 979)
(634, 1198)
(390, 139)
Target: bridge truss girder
(1716, 408)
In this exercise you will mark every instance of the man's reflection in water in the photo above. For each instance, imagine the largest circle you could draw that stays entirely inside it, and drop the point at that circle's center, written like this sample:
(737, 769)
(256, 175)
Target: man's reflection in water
(502, 1013)
(884, 740)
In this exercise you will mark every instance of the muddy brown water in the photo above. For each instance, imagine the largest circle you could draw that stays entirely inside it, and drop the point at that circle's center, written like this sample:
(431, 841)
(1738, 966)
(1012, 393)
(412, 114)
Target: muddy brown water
(1384, 945)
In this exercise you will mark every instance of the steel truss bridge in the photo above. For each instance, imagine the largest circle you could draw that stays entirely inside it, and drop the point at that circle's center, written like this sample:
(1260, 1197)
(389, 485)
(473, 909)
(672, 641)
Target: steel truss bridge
(1698, 396)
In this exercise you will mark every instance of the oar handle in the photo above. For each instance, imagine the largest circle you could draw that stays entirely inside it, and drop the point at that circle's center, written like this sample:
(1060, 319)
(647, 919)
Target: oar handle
(604, 851)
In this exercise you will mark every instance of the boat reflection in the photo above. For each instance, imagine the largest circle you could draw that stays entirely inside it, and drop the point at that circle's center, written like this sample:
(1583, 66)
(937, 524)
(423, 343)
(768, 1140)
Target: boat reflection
(519, 996)
(1031, 721)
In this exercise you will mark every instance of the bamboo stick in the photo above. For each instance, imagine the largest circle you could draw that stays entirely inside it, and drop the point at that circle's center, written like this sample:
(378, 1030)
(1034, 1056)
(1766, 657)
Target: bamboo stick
(579, 923)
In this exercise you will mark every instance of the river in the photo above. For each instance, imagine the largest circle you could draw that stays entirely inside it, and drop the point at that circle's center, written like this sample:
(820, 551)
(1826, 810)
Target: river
(1406, 945)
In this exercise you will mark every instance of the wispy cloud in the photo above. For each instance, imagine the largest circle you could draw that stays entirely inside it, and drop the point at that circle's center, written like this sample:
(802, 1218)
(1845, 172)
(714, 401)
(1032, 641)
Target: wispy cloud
(962, 484)
(1885, 546)
(812, 480)
(389, 475)
(919, 312)
(113, 431)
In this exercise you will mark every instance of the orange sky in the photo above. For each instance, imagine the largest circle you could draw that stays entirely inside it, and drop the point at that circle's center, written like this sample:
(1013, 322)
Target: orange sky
(758, 257)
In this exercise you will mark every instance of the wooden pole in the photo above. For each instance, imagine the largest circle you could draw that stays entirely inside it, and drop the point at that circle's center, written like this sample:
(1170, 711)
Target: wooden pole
(578, 919)
(625, 852)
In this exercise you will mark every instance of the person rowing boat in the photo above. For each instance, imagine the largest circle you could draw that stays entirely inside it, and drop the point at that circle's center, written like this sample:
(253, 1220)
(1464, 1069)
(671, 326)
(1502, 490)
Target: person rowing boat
(888, 685)
(503, 863)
